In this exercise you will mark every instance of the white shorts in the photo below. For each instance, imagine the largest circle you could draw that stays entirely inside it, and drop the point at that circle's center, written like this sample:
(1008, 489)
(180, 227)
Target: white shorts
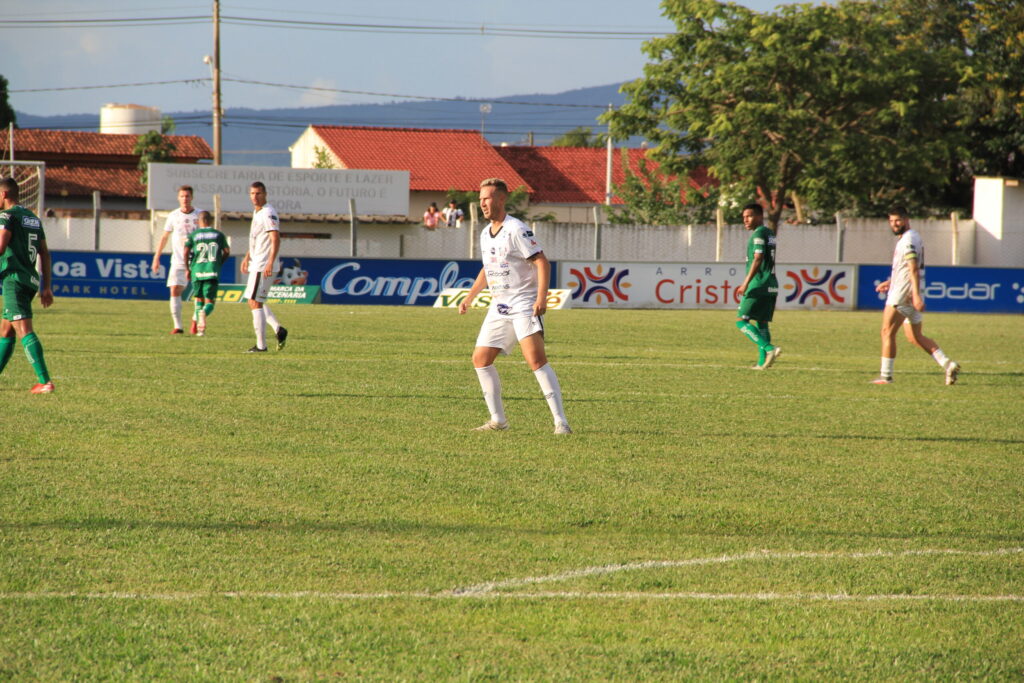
(176, 276)
(257, 286)
(912, 315)
(500, 332)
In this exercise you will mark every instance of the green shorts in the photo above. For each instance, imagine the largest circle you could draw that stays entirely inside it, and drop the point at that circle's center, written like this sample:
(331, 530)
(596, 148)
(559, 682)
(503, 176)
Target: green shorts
(205, 289)
(760, 308)
(17, 300)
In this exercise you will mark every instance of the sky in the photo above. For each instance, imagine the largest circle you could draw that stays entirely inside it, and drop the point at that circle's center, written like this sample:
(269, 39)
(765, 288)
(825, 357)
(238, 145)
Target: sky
(425, 48)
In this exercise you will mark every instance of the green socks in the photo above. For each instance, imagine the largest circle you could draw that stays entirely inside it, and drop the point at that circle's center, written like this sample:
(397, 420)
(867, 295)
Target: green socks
(34, 351)
(766, 334)
(754, 335)
(6, 351)
(208, 308)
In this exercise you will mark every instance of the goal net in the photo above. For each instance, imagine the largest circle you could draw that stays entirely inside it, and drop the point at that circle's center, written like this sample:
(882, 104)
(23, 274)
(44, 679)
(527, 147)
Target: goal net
(30, 177)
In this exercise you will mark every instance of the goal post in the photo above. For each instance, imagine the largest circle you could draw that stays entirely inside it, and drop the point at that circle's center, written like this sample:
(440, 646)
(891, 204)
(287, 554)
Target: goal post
(31, 179)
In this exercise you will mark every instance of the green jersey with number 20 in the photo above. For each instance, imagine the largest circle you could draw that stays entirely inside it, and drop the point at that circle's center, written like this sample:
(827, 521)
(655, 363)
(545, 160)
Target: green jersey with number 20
(207, 247)
(18, 262)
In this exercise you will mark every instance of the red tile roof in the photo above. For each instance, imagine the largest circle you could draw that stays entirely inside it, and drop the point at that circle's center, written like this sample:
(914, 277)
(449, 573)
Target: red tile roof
(38, 144)
(76, 181)
(575, 175)
(437, 159)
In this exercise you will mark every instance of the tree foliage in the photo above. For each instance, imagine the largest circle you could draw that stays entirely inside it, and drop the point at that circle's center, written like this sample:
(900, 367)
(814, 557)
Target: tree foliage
(650, 198)
(839, 103)
(323, 157)
(581, 136)
(7, 114)
(154, 146)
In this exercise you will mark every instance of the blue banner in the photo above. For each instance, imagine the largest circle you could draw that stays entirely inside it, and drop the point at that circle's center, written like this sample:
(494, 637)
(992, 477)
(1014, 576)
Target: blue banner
(953, 289)
(381, 281)
(113, 275)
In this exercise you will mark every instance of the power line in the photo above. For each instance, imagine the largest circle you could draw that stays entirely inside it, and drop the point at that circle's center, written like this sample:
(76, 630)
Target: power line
(482, 29)
(194, 81)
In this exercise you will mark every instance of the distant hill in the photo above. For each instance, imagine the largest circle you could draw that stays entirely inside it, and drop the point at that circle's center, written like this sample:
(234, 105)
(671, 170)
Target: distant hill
(262, 136)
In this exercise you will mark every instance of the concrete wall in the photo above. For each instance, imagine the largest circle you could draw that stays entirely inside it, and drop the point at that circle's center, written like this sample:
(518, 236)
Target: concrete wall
(999, 211)
(864, 240)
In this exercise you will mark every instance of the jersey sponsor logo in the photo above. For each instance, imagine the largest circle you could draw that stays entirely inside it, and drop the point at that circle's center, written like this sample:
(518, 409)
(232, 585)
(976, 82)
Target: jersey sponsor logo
(816, 287)
(598, 285)
(31, 222)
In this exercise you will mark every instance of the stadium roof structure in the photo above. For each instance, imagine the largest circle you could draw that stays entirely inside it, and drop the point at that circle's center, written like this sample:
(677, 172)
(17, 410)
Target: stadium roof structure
(576, 175)
(81, 162)
(437, 159)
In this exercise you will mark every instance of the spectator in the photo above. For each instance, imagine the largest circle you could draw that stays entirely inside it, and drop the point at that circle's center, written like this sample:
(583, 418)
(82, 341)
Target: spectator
(432, 217)
(453, 215)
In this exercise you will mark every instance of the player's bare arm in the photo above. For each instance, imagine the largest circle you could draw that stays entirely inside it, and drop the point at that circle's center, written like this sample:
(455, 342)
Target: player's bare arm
(883, 287)
(275, 244)
(45, 269)
(245, 264)
(755, 265)
(188, 263)
(915, 285)
(543, 266)
(478, 286)
(159, 250)
(5, 239)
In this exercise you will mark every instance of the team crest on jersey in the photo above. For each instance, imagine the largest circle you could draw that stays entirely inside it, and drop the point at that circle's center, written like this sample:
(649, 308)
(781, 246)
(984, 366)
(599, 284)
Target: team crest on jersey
(504, 309)
(527, 233)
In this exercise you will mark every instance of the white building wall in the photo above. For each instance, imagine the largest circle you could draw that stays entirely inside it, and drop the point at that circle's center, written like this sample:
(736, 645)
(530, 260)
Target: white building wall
(999, 212)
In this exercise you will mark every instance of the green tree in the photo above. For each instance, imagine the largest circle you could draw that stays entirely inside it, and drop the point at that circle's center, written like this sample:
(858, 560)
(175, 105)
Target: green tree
(650, 198)
(323, 158)
(7, 115)
(581, 136)
(155, 147)
(833, 102)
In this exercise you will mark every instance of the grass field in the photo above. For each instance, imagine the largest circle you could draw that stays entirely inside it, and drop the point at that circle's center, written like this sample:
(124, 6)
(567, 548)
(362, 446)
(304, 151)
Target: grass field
(181, 510)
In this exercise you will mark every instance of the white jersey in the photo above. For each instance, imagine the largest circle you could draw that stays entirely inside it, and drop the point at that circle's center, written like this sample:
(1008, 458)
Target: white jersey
(511, 277)
(264, 222)
(908, 248)
(180, 225)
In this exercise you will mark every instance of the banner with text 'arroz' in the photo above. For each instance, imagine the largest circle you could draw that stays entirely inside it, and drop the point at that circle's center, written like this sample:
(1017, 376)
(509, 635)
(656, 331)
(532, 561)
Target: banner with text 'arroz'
(611, 284)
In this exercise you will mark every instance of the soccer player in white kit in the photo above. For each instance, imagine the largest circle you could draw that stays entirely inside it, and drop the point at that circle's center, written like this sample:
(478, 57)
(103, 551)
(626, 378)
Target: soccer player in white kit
(179, 225)
(904, 304)
(261, 262)
(517, 274)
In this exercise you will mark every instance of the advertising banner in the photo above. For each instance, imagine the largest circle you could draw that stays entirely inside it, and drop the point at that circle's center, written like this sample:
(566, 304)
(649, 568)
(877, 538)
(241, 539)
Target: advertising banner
(954, 289)
(112, 275)
(389, 282)
(278, 294)
(289, 190)
(702, 285)
(451, 298)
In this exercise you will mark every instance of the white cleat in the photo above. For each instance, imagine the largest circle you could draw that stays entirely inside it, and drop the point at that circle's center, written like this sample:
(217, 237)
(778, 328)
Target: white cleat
(491, 426)
(952, 372)
(563, 428)
(770, 357)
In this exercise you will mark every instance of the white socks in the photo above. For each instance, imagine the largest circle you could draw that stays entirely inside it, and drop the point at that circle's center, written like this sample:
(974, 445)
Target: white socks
(940, 358)
(259, 323)
(491, 386)
(271, 318)
(176, 311)
(887, 365)
(552, 392)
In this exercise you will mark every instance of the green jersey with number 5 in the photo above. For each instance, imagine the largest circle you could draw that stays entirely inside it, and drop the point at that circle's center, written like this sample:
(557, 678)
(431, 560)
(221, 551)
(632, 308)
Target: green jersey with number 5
(18, 262)
(207, 245)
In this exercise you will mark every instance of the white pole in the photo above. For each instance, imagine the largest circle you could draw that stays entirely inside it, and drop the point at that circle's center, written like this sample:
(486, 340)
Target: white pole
(955, 260)
(608, 167)
(352, 227)
(839, 237)
(473, 228)
(10, 140)
(719, 222)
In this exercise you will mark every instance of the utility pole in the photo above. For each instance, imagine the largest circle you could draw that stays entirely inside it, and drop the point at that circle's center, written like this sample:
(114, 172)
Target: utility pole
(216, 83)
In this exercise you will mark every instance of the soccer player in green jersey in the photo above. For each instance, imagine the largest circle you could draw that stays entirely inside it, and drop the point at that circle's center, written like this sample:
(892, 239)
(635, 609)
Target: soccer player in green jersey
(206, 249)
(21, 240)
(760, 288)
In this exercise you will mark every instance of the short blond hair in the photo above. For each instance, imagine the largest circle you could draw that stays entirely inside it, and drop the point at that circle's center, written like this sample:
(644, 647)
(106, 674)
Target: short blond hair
(495, 182)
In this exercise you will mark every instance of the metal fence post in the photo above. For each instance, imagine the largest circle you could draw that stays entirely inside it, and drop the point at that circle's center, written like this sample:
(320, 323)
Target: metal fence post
(839, 237)
(352, 227)
(954, 219)
(719, 222)
(96, 220)
(597, 237)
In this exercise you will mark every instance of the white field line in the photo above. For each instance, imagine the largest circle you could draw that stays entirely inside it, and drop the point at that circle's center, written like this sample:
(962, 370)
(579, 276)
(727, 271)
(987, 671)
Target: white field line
(722, 559)
(490, 591)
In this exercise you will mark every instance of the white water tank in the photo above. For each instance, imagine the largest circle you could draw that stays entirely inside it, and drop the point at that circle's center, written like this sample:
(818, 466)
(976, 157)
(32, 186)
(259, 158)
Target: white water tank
(131, 119)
